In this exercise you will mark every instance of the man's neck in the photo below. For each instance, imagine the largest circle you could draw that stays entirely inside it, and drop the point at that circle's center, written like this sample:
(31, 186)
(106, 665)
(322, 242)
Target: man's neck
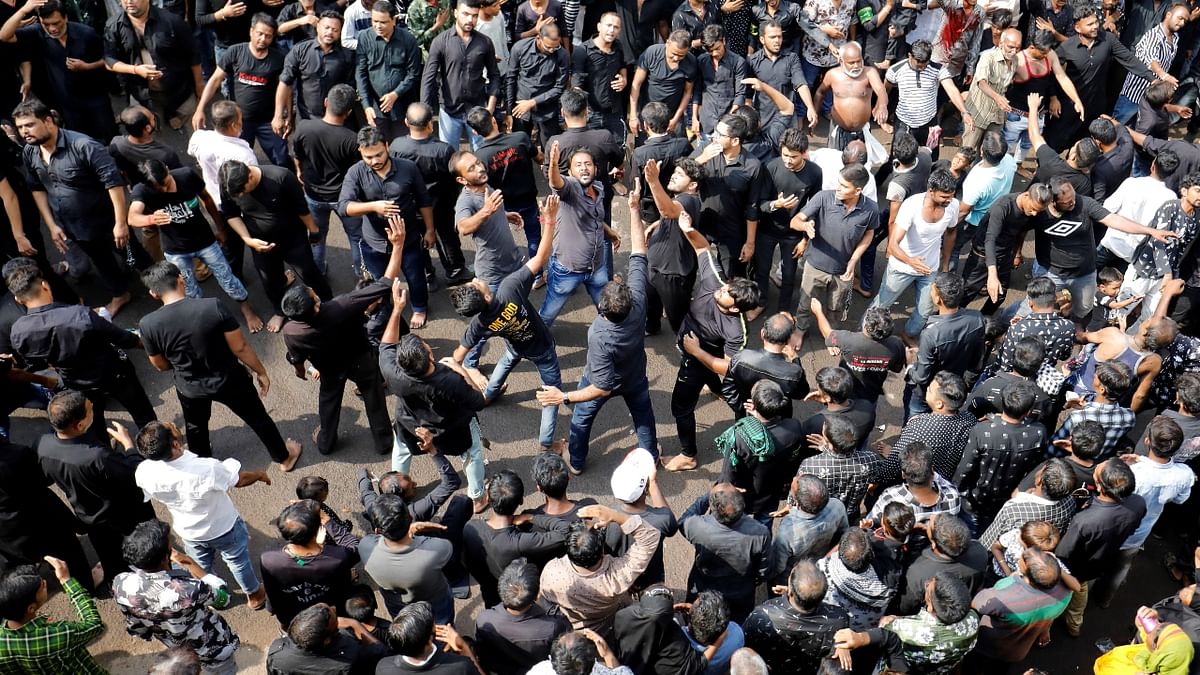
(732, 155)
(1034, 309)
(425, 655)
(575, 122)
(38, 302)
(465, 35)
(67, 436)
(385, 169)
(772, 348)
(654, 135)
(1187, 207)
(499, 522)
(603, 46)
(1009, 420)
(139, 140)
(495, 133)
(837, 407)
(333, 120)
(946, 311)
(172, 297)
(851, 202)
(260, 53)
(1156, 459)
(326, 48)
(557, 507)
(51, 141)
(419, 134)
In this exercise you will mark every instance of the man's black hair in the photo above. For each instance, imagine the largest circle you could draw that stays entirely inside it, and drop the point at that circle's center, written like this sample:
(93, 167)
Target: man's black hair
(550, 475)
(855, 174)
(1164, 437)
(233, 177)
(32, 107)
(585, 545)
(1028, 355)
(264, 19)
(854, 550)
(155, 441)
(941, 180)
(340, 100)
(389, 514)
(66, 409)
(878, 323)
(769, 399)
(951, 288)
(1042, 568)
(899, 518)
(916, 464)
(951, 535)
(310, 628)
(300, 521)
(1187, 386)
(812, 495)
(794, 140)
(573, 654)
(905, 148)
(1115, 377)
(1087, 153)
(480, 121)
(370, 136)
(136, 119)
(993, 148)
(778, 328)
(616, 301)
(1043, 40)
(147, 546)
(921, 50)
(574, 102)
(19, 587)
(1016, 399)
(1102, 131)
(1166, 162)
(656, 116)
(1058, 479)
(1116, 479)
(519, 585)
(951, 598)
(411, 629)
(52, 7)
(1087, 439)
(360, 604)
(467, 300)
(297, 304)
(836, 382)
(1041, 292)
(411, 356)
(154, 172)
(744, 292)
(726, 504)
(807, 585)
(312, 487)
(952, 390)
(711, 35)
(840, 432)
(736, 126)
(505, 491)
(161, 277)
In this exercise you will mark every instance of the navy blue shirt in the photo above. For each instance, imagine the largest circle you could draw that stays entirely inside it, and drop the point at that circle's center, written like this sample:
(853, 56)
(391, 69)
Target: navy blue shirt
(403, 184)
(616, 355)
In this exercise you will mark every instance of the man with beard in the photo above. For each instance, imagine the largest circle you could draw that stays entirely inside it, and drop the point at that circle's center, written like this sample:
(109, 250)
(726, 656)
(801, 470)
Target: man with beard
(600, 69)
(314, 66)
(388, 59)
(1087, 58)
(852, 85)
(783, 72)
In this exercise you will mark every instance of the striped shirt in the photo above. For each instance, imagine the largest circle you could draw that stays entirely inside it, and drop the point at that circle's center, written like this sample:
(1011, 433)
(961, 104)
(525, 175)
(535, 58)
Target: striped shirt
(917, 91)
(1154, 47)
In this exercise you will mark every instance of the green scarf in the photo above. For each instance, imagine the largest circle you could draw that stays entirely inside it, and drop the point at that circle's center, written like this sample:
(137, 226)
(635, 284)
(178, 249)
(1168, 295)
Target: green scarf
(758, 439)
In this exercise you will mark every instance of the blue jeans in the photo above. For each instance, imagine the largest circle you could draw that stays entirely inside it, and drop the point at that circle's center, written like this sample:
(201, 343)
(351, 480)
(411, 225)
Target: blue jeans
(450, 130)
(548, 370)
(1016, 133)
(234, 547)
(813, 75)
(914, 401)
(641, 412)
(1124, 110)
(21, 395)
(473, 461)
(413, 264)
(274, 147)
(217, 264)
(320, 212)
(561, 283)
(894, 284)
(1083, 289)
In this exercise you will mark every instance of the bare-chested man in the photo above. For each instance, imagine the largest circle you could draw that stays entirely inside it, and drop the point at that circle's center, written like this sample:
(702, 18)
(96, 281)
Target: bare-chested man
(852, 85)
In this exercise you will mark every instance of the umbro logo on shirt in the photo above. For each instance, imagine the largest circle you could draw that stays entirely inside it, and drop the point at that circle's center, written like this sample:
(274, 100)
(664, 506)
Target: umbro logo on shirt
(1064, 228)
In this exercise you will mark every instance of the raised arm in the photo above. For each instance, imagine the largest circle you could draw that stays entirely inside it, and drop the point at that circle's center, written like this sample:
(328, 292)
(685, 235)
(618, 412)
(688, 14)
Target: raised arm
(552, 171)
(548, 218)
(667, 207)
(637, 231)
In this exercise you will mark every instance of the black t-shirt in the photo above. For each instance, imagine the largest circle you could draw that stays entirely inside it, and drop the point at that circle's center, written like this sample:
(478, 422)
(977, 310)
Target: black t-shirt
(325, 152)
(1065, 244)
(509, 162)
(803, 183)
(1050, 165)
(720, 334)
(670, 252)
(512, 317)
(1094, 538)
(867, 361)
(1084, 476)
(253, 80)
(662, 83)
(129, 155)
(190, 334)
(188, 232)
(272, 210)
(860, 414)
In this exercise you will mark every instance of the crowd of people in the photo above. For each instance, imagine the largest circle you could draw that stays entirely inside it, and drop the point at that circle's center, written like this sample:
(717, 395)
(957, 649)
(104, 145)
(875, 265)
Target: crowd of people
(496, 136)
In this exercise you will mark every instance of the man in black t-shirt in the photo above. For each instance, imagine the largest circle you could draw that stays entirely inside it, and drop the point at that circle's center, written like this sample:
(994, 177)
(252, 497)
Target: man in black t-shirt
(253, 68)
(266, 207)
(1066, 247)
(672, 260)
(172, 202)
(868, 355)
(200, 342)
(330, 335)
(717, 319)
(995, 245)
(508, 314)
(792, 181)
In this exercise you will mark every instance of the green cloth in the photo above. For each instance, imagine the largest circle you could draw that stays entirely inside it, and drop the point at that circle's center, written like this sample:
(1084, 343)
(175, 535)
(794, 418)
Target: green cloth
(755, 435)
(931, 646)
(44, 646)
(420, 20)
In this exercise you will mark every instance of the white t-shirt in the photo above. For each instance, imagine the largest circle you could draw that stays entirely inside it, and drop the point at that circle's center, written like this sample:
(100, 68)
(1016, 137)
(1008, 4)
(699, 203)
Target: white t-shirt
(1137, 199)
(830, 161)
(922, 240)
(196, 492)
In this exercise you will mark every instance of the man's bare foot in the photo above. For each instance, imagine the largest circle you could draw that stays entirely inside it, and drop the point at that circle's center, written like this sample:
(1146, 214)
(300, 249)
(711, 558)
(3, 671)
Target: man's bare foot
(289, 277)
(276, 324)
(417, 321)
(540, 282)
(253, 321)
(862, 291)
(98, 575)
(294, 450)
(558, 447)
(680, 463)
(479, 504)
(118, 303)
(258, 599)
(316, 432)
(754, 313)
(909, 341)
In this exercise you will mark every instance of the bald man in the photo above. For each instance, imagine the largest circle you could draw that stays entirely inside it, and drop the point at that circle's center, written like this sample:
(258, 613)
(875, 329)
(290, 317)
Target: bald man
(852, 84)
(986, 99)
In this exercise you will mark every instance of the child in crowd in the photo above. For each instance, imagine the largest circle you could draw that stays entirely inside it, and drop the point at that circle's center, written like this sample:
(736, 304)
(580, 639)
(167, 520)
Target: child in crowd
(361, 606)
(1034, 534)
(1116, 305)
(317, 489)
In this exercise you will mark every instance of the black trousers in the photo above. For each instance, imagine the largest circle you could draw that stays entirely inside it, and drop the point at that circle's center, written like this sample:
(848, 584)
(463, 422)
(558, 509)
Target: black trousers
(1106, 258)
(691, 380)
(1186, 311)
(123, 385)
(764, 254)
(546, 129)
(449, 246)
(364, 372)
(239, 395)
(295, 252)
(975, 272)
(671, 293)
(107, 538)
(103, 254)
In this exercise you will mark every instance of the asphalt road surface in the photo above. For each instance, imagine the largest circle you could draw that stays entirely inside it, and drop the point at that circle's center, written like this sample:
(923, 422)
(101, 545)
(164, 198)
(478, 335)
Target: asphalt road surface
(511, 424)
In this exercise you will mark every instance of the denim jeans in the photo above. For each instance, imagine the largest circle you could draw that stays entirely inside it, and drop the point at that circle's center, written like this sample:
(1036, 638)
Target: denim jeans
(274, 147)
(812, 75)
(1124, 110)
(353, 226)
(473, 461)
(894, 285)
(637, 399)
(234, 547)
(413, 264)
(914, 401)
(217, 264)
(561, 283)
(443, 608)
(450, 130)
(610, 122)
(1083, 289)
(531, 225)
(1016, 134)
(21, 395)
(548, 370)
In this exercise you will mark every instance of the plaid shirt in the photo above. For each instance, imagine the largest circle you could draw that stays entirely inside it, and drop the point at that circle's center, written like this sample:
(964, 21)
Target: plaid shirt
(948, 501)
(1117, 422)
(1025, 507)
(846, 476)
(43, 646)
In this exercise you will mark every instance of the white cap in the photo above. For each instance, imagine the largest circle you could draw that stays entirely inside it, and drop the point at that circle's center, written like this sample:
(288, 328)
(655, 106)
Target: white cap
(631, 477)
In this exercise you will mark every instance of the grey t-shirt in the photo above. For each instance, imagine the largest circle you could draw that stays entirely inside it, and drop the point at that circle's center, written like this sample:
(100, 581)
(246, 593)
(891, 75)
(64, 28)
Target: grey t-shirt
(413, 573)
(579, 239)
(838, 230)
(496, 253)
